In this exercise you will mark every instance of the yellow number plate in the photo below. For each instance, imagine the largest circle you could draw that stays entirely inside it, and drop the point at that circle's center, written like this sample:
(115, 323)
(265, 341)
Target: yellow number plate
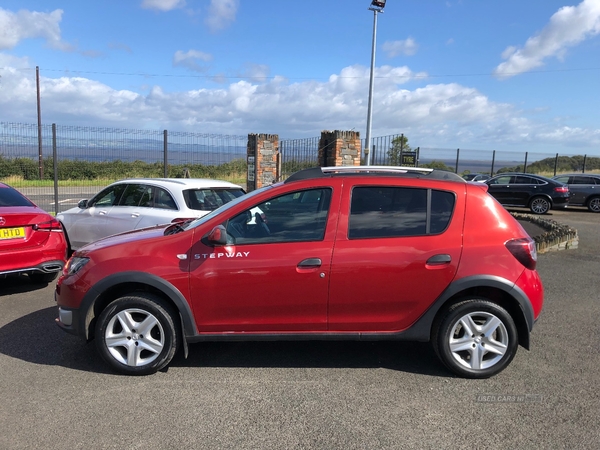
(12, 233)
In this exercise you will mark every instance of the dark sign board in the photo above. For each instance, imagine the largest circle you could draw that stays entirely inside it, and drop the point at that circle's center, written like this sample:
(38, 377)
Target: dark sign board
(409, 159)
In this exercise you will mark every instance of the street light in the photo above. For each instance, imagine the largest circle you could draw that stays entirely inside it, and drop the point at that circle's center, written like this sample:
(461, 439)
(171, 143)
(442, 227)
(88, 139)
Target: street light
(377, 7)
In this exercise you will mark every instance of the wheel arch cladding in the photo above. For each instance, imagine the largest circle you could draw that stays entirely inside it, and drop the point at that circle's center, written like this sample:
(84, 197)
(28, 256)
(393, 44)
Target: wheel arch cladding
(493, 288)
(123, 283)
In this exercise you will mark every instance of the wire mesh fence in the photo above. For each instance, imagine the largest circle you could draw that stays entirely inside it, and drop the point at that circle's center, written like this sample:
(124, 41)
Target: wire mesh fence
(58, 165)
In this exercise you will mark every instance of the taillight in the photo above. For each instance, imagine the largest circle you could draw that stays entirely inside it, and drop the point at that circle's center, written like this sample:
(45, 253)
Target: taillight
(524, 250)
(51, 225)
(562, 189)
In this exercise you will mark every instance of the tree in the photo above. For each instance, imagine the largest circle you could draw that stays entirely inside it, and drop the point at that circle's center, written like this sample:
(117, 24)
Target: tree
(399, 146)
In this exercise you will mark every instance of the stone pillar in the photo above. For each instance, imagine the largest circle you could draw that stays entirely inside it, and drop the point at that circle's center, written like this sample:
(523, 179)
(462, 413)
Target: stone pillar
(263, 160)
(339, 148)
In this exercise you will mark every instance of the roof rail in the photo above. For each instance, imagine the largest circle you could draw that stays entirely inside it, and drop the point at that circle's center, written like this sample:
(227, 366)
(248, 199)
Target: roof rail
(362, 169)
(417, 172)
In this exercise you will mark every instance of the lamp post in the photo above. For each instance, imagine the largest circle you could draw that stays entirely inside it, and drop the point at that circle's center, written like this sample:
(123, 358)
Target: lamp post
(376, 7)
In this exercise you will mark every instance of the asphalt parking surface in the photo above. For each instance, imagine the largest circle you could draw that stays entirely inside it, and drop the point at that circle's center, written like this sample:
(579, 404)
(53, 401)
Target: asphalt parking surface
(56, 393)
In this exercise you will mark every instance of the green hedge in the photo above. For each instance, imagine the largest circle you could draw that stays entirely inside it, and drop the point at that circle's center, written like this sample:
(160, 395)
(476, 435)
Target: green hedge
(68, 169)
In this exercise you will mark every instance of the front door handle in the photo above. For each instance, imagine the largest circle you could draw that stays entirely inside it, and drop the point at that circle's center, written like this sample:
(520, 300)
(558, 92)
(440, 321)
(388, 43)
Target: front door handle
(438, 260)
(134, 215)
(309, 263)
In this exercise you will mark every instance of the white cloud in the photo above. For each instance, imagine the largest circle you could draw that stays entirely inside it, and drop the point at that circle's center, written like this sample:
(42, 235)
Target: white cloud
(15, 27)
(434, 115)
(191, 59)
(569, 26)
(163, 5)
(221, 13)
(405, 47)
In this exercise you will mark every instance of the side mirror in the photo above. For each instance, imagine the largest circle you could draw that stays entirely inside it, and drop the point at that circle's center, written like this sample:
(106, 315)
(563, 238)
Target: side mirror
(82, 204)
(218, 236)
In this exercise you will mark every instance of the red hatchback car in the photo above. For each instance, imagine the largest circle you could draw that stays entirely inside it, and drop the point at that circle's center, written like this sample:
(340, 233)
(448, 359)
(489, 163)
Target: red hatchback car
(330, 253)
(31, 240)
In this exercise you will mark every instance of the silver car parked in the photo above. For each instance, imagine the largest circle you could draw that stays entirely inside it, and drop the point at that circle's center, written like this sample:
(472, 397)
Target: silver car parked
(143, 202)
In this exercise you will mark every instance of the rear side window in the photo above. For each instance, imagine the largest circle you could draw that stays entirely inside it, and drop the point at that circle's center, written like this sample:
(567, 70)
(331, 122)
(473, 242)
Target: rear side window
(133, 195)
(583, 180)
(10, 197)
(211, 198)
(379, 212)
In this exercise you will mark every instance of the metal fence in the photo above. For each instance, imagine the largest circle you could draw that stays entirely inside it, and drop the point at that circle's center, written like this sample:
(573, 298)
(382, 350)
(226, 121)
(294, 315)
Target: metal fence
(58, 165)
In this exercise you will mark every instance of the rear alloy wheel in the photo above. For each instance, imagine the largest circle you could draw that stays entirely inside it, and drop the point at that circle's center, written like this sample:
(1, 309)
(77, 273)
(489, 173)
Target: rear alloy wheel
(476, 338)
(594, 204)
(136, 335)
(539, 205)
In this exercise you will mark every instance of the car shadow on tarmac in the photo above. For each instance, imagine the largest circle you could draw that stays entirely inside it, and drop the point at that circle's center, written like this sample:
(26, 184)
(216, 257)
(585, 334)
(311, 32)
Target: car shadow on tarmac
(37, 339)
(19, 284)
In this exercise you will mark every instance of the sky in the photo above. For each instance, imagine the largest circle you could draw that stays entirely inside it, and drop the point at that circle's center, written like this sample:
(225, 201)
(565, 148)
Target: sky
(507, 75)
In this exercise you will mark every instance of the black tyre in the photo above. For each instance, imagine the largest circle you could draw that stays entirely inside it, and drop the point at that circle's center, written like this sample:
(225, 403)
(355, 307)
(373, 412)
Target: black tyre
(594, 204)
(539, 205)
(475, 338)
(41, 277)
(137, 334)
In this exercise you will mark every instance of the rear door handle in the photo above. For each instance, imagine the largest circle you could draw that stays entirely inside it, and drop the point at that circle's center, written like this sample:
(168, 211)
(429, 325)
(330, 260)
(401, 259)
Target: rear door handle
(309, 263)
(438, 260)
(134, 215)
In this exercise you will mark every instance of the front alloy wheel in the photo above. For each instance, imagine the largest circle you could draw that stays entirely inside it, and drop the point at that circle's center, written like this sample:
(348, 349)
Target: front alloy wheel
(539, 205)
(476, 339)
(136, 335)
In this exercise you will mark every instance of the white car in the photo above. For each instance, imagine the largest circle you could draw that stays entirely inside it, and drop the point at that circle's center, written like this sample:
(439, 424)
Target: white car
(143, 202)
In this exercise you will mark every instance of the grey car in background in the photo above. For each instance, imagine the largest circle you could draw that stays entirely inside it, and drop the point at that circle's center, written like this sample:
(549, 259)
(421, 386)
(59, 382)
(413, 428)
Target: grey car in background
(585, 189)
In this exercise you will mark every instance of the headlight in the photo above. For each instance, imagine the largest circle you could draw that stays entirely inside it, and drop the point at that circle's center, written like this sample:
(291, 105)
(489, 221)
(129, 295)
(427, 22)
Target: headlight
(75, 264)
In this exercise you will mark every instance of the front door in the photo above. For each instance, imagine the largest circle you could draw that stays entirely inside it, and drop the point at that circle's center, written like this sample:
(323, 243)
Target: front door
(273, 275)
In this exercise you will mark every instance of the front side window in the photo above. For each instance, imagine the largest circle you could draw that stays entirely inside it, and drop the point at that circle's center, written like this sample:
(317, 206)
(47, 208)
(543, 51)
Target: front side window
(295, 217)
(502, 180)
(380, 212)
(109, 196)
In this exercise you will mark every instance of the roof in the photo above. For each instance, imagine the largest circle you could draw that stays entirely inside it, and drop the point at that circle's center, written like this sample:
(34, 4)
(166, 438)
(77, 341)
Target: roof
(413, 172)
(183, 182)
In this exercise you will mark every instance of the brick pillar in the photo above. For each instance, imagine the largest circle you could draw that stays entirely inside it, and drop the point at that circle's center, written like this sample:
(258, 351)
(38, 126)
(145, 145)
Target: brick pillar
(262, 158)
(339, 148)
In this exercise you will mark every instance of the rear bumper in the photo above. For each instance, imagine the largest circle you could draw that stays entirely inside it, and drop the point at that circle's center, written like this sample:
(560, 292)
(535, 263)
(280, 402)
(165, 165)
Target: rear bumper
(52, 266)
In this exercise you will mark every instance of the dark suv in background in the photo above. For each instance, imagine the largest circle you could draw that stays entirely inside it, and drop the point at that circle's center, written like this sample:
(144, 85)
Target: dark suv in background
(535, 192)
(585, 189)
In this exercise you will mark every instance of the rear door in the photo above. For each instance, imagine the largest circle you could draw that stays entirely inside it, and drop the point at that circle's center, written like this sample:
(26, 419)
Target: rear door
(397, 249)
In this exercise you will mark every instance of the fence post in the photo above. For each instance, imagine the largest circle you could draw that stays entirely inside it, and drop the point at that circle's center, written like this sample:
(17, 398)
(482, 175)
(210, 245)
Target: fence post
(525, 165)
(584, 161)
(418, 151)
(55, 163)
(165, 154)
(401, 147)
(457, 157)
(493, 161)
(555, 164)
